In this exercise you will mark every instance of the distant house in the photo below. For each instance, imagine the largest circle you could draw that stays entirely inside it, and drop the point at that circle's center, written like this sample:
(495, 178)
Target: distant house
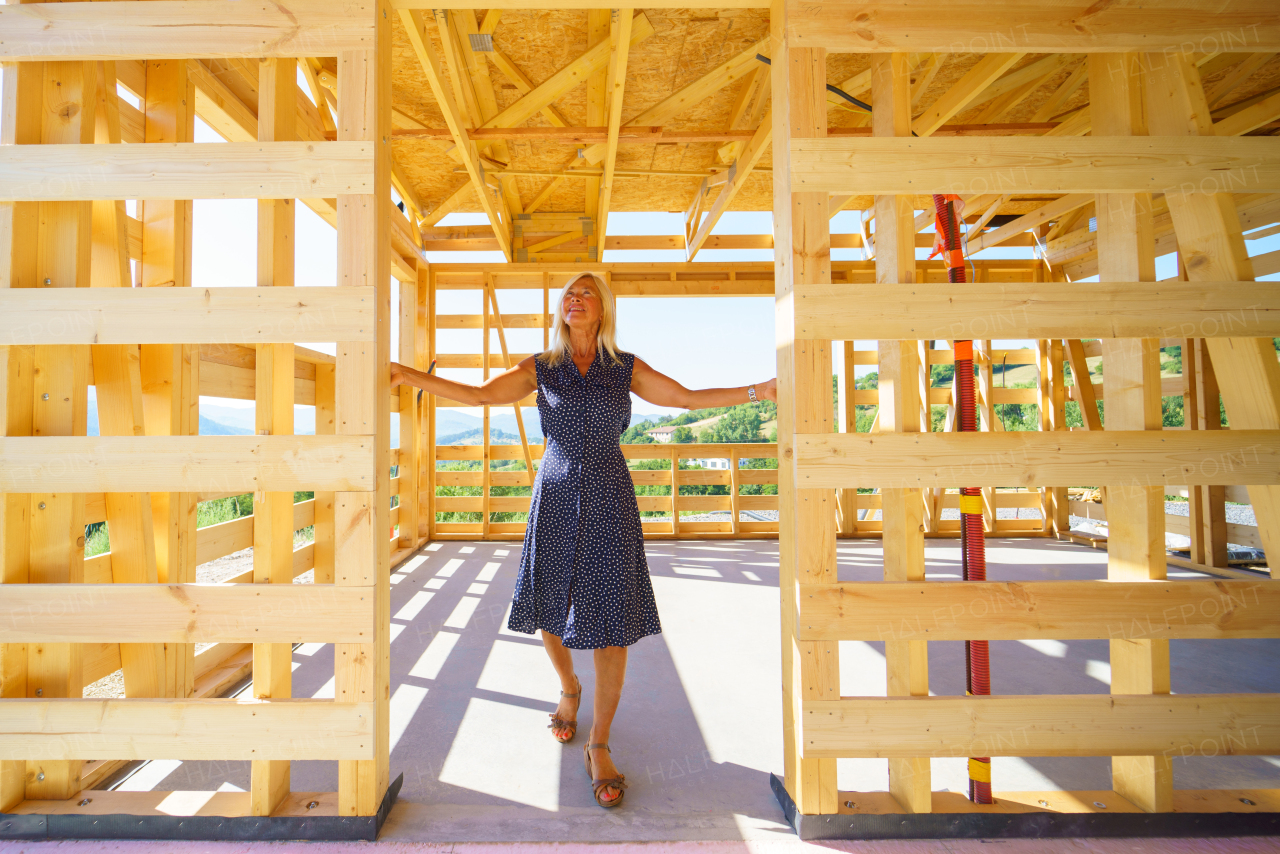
(719, 463)
(663, 434)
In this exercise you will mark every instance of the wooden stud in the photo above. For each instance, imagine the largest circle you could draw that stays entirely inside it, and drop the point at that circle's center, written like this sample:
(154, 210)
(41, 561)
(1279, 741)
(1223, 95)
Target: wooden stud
(363, 550)
(806, 526)
(410, 432)
(903, 509)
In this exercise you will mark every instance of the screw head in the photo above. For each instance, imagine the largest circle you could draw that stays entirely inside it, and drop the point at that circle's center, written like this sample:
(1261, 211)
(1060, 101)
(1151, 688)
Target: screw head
(1100, 805)
(48, 282)
(850, 804)
(44, 396)
(41, 505)
(85, 802)
(313, 805)
(1043, 802)
(39, 692)
(40, 776)
(1247, 802)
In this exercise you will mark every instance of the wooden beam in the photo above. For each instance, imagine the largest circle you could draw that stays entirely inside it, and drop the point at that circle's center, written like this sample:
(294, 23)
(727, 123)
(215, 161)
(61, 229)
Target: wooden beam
(699, 90)
(1214, 310)
(1065, 610)
(164, 29)
(186, 729)
(241, 170)
(846, 26)
(1045, 725)
(1034, 459)
(362, 522)
(1037, 165)
(490, 201)
(1250, 118)
(620, 42)
(1026, 222)
(538, 5)
(806, 517)
(185, 613)
(906, 662)
(1085, 392)
(739, 172)
(233, 464)
(965, 90)
(567, 78)
(184, 315)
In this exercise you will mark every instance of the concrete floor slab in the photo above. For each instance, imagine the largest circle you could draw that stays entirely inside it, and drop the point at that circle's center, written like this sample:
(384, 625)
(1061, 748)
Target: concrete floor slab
(699, 729)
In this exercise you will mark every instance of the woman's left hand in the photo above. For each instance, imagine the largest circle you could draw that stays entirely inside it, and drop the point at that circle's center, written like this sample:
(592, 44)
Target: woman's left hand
(768, 390)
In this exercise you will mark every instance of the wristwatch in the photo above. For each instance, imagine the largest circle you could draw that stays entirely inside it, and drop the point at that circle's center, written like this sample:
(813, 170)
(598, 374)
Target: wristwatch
(751, 393)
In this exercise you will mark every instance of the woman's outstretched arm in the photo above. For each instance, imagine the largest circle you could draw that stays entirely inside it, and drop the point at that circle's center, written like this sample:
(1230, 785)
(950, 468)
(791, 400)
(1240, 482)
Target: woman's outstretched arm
(661, 390)
(507, 387)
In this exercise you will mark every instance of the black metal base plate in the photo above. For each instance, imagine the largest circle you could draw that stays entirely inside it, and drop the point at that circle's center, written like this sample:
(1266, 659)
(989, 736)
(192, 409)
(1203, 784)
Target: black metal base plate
(330, 828)
(1034, 825)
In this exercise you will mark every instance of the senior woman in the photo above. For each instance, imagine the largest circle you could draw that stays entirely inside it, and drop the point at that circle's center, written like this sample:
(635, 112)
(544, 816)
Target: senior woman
(583, 579)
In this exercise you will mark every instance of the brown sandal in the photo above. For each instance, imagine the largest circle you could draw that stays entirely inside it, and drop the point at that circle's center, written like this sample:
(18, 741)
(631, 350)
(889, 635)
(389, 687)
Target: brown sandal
(559, 723)
(598, 786)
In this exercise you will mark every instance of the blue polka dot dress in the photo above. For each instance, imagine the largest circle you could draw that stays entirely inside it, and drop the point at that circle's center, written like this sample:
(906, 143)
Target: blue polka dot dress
(583, 574)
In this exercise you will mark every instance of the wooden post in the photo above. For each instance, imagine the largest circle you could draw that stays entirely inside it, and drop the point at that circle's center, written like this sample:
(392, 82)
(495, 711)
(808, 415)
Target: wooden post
(429, 421)
(987, 411)
(1209, 537)
(486, 474)
(170, 373)
(1135, 541)
(273, 393)
(59, 406)
(363, 551)
(847, 499)
(733, 489)
(806, 517)
(323, 549)
(675, 490)
(409, 432)
(903, 509)
(21, 102)
(1061, 507)
(421, 361)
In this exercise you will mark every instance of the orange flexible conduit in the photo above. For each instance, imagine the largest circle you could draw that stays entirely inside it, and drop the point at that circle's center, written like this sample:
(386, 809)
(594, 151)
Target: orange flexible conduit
(973, 551)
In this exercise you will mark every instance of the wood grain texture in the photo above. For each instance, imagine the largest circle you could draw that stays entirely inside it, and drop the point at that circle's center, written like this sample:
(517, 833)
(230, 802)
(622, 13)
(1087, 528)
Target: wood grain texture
(184, 170)
(1034, 459)
(967, 165)
(1044, 310)
(185, 315)
(1032, 27)
(185, 613)
(185, 729)
(1068, 610)
(1045, 725)
(179, 29)
(185, 463)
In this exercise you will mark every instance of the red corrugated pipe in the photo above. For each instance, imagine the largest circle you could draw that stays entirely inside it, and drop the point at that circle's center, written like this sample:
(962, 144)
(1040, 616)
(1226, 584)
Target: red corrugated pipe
(973, 552)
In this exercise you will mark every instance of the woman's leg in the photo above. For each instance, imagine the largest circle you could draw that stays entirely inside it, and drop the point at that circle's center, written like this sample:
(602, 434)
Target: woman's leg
(611, 670)
(562, 661)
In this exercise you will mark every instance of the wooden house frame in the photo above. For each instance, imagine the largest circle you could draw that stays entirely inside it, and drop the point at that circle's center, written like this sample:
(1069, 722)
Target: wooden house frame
(1169, 147)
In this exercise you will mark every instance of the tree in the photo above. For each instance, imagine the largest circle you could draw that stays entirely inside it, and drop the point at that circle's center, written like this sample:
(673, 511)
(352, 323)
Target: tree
(682, 435)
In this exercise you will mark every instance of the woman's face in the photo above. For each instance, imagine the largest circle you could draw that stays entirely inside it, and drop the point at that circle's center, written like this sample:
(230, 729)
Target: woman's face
(581, 305)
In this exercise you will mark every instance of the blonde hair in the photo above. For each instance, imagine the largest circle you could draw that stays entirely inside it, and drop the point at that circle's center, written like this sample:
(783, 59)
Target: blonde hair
(606, 333)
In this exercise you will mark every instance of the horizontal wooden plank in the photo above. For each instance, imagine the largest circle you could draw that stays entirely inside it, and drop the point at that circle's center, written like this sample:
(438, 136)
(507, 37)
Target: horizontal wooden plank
(1033, 459)
(177, 29)
(185, 613)
(38, 730)
(704, 503)
(1026, 26)
(1045, 725)
(1008, 310)
(184, 170)
(1002, 610)
(64, 315)
(186, 463)
(569, 4)
(1080, 164)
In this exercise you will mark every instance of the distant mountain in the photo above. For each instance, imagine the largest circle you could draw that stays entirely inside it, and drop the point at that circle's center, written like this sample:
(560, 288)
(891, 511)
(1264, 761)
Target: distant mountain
(476, 437)
(449, 421)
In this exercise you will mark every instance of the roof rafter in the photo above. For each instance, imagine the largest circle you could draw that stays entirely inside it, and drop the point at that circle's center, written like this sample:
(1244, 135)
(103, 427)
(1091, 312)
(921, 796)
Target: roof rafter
(619, 41)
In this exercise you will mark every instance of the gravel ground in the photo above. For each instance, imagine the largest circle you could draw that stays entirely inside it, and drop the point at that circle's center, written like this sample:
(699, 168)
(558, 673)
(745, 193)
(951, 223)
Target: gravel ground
(1239, 514)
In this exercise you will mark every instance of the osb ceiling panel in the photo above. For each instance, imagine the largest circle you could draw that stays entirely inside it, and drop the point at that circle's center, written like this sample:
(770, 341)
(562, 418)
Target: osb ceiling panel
(686, 45)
